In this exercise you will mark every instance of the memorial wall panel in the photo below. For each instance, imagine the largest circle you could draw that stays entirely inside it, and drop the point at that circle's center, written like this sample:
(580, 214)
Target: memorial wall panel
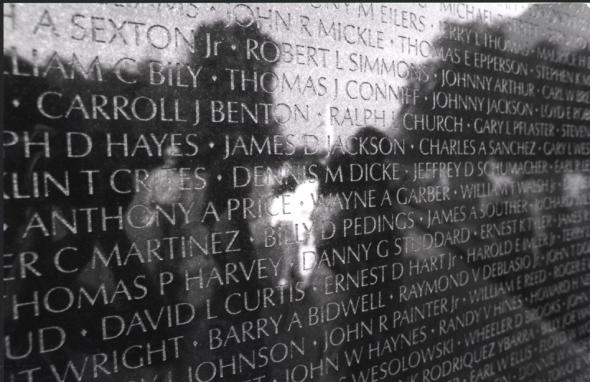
(335, 192)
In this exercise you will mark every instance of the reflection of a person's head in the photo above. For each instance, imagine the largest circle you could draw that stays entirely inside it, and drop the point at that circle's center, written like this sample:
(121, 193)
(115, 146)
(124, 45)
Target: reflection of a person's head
(222, 49)
(234, 64)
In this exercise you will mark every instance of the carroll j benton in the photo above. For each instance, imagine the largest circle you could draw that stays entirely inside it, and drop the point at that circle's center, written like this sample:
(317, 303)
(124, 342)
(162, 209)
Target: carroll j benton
(166, 109)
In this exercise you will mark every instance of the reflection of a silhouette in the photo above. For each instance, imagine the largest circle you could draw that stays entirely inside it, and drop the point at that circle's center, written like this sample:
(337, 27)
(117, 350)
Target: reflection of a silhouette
(137, 257)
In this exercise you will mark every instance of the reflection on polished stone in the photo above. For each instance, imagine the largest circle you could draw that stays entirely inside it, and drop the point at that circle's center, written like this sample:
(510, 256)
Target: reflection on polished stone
(296, 192)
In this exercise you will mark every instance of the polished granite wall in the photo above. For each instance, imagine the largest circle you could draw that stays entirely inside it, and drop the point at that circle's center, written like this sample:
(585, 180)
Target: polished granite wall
(296, 192)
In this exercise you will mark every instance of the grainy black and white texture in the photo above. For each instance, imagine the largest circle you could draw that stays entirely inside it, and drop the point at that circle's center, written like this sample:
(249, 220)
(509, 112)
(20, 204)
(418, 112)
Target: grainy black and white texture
(296, 192)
